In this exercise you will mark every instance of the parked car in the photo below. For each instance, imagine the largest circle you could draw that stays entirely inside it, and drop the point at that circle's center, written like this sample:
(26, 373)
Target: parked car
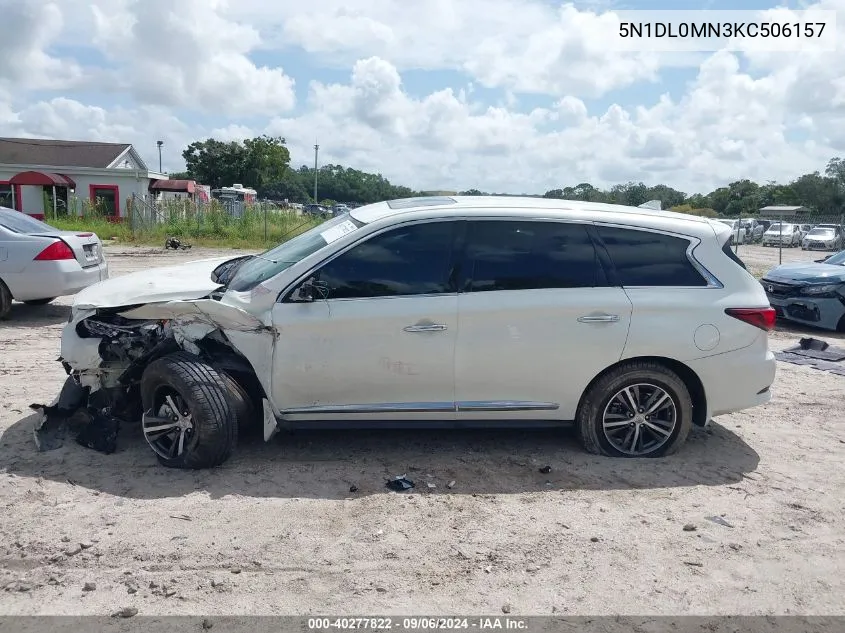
(739, 234)
(634, 324)
(340, 209)
(754, 230)
(804, 229)
(810, 294)
(317, 210)
(39, 262)
(823, 238)
(782, 234)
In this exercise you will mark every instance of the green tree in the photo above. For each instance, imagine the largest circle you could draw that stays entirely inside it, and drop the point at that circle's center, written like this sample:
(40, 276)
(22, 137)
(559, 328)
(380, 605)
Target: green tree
(266, 160)
(215, 163)
(254, 162)
(691, 210)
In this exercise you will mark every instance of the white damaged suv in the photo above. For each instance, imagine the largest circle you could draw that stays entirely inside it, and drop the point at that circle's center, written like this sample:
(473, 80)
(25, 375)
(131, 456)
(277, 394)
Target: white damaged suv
(634, 324)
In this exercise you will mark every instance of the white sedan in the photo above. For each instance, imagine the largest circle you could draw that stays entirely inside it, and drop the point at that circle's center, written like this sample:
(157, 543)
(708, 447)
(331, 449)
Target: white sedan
(39, 262)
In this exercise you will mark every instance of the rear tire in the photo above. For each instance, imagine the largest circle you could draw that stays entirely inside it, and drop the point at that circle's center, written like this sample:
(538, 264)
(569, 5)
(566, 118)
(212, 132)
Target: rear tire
(658, 438)
(5, 300)
(204, 398)
(39, 302)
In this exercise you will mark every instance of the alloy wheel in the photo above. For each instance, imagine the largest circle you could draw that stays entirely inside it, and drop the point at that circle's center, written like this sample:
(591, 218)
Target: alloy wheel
(639, 419)
(169, 431)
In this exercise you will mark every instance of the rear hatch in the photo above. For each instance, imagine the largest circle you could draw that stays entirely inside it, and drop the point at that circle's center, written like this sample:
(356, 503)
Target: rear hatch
(86, 246)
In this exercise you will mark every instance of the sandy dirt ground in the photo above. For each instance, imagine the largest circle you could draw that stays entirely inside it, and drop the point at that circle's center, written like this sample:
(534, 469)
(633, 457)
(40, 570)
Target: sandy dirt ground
(276, 530)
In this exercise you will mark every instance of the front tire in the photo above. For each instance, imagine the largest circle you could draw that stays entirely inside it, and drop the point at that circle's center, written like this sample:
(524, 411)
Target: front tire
(39, 302)
(639, 409)
(188, 420)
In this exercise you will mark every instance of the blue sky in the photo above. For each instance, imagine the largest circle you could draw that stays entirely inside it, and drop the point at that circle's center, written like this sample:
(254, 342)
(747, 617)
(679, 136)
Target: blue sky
(369, 82)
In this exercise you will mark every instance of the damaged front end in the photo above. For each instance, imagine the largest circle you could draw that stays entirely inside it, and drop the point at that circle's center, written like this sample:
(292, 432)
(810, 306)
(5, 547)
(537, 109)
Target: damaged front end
(105, 353)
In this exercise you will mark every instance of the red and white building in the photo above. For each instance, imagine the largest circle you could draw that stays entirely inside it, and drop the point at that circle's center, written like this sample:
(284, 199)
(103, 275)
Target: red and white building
(39, 176)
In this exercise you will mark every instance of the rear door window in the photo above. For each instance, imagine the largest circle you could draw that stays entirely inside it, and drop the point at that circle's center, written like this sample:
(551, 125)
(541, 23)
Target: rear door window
(527, 255)
(644, 258)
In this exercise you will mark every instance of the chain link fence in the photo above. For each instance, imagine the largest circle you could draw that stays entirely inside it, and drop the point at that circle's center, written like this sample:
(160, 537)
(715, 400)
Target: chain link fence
(265, 222)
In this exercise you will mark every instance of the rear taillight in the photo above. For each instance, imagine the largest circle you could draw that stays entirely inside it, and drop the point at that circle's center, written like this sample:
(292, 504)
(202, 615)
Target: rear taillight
(763, 318)
(56, 251)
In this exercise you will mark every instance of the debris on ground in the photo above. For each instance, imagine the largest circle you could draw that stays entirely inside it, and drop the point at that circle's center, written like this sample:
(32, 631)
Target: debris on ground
(506, 608)
(101, 432)
(451, 484)
(400, 484)
(94, 428)
(719, 521)
(181, 517)
(353, 488)
(693, 563)
(431, 485)
(594, 539)
(126, 612)
(175, 244)
(89, 586)
(815, 353)
(546, 470)
(689, 527)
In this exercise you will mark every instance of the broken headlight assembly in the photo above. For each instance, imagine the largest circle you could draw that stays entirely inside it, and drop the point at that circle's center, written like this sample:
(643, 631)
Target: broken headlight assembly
(820, 289)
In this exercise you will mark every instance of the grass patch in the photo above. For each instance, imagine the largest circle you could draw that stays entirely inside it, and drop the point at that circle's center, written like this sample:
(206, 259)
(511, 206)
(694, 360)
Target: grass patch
(211, 226)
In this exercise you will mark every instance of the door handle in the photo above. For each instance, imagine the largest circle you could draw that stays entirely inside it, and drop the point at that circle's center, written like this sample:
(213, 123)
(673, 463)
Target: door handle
(599, 318)
(432, 327)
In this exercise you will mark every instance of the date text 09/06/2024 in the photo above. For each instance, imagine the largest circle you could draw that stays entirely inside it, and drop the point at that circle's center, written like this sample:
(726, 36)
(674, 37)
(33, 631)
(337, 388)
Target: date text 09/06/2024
(685, 30)
(482, 623)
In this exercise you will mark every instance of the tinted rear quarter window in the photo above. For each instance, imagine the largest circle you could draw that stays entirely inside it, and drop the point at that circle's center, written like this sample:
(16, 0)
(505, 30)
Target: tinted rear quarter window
(643, 258)
(527, 255)
(727, 250)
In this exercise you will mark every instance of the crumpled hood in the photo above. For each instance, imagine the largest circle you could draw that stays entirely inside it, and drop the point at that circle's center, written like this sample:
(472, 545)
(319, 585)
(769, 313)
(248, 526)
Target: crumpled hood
(191, 280)
(807, 273)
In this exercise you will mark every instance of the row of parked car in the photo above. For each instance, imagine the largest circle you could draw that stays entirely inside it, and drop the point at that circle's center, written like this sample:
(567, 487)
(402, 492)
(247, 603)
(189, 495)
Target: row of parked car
(790, 234)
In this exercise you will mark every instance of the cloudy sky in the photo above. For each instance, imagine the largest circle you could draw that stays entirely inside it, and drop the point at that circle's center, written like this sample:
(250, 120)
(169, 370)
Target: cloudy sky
(501, 95)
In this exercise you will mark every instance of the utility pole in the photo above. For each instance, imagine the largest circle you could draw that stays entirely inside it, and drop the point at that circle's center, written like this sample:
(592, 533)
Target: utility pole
(159, 143)
(316, 151)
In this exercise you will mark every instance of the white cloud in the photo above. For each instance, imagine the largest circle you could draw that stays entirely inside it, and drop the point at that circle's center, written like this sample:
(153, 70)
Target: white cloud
(187, 54)
(531, 47)
(737, 118)
(26, 29)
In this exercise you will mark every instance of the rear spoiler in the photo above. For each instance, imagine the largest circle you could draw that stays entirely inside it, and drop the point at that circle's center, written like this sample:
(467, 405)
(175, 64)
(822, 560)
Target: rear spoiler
(654, 205)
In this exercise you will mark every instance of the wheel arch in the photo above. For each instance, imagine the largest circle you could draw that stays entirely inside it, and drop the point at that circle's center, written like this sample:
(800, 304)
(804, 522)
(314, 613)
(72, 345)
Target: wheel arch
(688, 376)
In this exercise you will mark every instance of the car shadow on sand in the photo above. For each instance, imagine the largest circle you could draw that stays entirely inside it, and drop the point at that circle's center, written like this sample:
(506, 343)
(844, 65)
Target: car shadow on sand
(328, 464)
(26, 316)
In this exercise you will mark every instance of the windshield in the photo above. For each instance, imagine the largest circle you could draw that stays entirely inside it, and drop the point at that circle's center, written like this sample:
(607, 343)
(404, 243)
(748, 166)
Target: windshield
(21, 223)
(836, 260)
(270, 263)
(815, 232)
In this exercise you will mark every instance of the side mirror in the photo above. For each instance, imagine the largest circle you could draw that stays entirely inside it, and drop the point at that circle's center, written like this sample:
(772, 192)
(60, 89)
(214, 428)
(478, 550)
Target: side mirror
(306, 293)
